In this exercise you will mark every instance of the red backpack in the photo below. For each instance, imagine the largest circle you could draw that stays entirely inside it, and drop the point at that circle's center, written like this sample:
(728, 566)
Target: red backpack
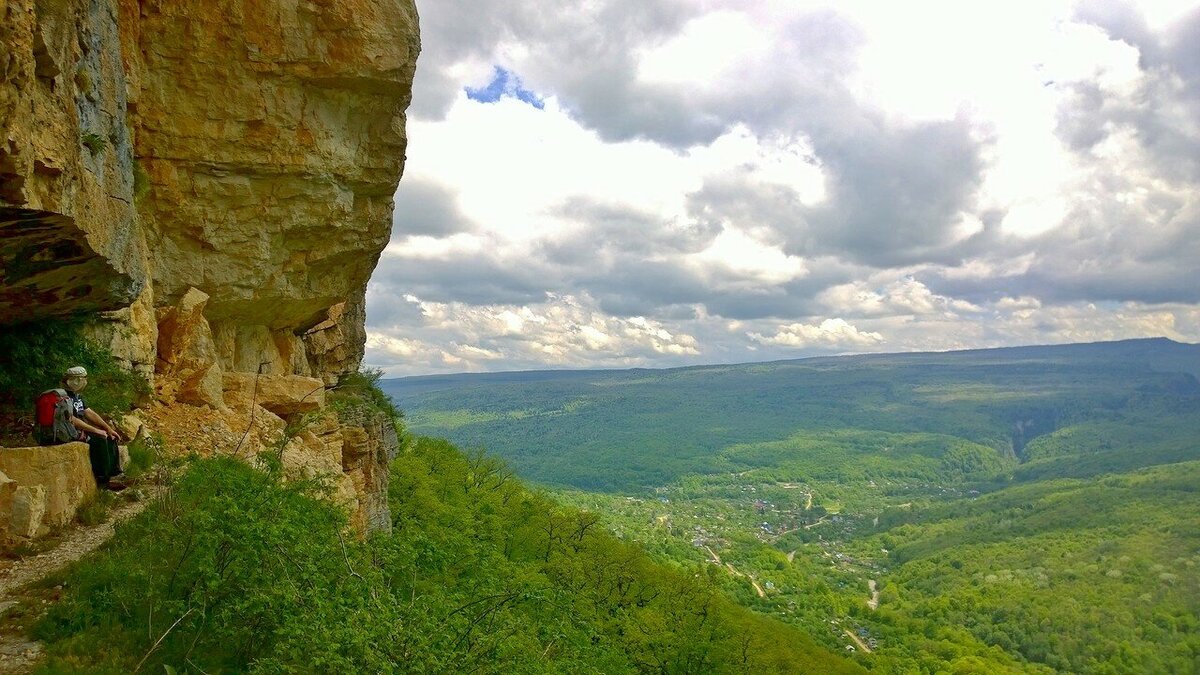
(52, 414)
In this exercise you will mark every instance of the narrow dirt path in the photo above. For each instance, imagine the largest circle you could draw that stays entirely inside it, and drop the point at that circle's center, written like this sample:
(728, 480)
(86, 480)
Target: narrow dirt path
(873, 603)
(76, 544)
(18, 652)
(819, 521)
(715, 558)
(858, 641)
(733, 571)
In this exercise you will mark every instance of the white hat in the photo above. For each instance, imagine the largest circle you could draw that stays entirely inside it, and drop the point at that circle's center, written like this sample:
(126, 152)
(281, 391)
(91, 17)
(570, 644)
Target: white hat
(76, 371)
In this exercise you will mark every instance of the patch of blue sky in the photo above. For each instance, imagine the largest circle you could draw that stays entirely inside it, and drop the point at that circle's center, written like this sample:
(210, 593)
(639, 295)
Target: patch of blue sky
(504, 83)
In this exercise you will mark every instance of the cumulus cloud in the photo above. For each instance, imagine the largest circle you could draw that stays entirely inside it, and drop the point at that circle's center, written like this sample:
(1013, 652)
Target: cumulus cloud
(559, 331)
(658, 182)
(829, 333)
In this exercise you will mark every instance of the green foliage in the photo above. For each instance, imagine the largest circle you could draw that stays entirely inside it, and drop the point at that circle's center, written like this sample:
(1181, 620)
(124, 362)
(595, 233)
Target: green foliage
(96, 509)
(143, 454)
(141, 181)
(358, 395)
(630, 430)
(34, 356)
(234, 571)
(1081, 576)
(95, 143)
(230, 568)
(1027, 510)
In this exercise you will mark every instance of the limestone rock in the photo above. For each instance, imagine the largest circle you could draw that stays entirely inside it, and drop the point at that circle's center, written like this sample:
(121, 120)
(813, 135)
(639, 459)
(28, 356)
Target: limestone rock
(217, 176)
(69, 239)
(281, 394)
(335, 345)
(273, 137)
(369, 444)
(29, 507)
(131, 427)
(316, 453)
(51, 483)
(8, 491)
(188, 370)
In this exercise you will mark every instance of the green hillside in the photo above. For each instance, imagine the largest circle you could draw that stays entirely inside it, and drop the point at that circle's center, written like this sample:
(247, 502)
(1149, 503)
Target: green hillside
(234, 571)
(1021, 510)
(624, 430)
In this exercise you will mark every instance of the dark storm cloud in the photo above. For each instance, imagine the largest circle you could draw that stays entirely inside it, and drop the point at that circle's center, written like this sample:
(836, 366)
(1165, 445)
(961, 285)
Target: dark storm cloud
(615, 227)
(1107, 250)
(894, 195)
(1162, 113)
(424, 207)
(478, 279)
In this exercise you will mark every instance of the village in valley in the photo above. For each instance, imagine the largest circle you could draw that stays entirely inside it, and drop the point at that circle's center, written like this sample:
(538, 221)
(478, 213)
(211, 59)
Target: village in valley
(800, 550)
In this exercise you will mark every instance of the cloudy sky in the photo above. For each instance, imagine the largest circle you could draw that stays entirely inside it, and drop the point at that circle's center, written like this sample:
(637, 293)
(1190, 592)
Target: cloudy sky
(619, 183)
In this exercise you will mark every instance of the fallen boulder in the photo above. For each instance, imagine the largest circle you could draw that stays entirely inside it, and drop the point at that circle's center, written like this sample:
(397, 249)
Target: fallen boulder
(43, 487)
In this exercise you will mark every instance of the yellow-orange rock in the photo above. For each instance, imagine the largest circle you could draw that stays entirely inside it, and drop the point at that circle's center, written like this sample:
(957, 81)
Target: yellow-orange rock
(217, 176)
(281, 394)
(44, 488)
(69, 239)
(273, 137)
(188, 370)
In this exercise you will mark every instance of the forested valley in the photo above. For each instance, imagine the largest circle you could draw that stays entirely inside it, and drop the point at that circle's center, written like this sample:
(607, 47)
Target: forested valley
(1017, 510)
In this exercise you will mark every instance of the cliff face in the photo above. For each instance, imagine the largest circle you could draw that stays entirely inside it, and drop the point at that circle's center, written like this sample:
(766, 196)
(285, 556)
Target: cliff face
(217, 176)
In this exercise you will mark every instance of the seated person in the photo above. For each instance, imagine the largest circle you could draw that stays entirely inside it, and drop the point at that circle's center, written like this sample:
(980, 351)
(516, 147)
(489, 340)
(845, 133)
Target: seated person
(101, 437)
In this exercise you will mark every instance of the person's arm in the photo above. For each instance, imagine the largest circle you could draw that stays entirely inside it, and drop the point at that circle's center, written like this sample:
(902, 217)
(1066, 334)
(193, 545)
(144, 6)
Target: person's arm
(97, 420)
(84, 426)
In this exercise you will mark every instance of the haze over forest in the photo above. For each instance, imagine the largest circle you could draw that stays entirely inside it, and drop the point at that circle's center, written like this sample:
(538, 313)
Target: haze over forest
(658, 183)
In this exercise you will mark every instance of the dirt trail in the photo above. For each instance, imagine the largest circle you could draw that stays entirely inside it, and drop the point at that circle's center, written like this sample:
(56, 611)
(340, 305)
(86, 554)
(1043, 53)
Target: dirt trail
(791, 556)
(873, 603)
(18, 653)
(858, 641)
(733, 571)
(819, 521)
(715, 558)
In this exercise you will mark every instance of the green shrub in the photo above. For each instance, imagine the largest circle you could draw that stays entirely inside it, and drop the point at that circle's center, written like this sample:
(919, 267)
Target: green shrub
(231, 568)
(234, 571)
(34, 356)
(143, 454)
(358, 392)
(141, 181)
(95, 143)
(96, 509)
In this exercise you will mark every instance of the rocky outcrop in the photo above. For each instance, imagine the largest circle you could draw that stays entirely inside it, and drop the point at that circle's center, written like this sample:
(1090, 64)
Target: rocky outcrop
(216, 175)
(42, 487)
(69, 237)
(272, 135)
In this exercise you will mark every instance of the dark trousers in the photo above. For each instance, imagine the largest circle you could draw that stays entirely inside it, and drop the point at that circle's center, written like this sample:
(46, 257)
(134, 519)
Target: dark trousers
(106, 459)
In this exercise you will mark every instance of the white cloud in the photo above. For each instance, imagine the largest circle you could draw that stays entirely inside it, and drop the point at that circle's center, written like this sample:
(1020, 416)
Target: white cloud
(829, 333)
(562, 331)
(706, 177)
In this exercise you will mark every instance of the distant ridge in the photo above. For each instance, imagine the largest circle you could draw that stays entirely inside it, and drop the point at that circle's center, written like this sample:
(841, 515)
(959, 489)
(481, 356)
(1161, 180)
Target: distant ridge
(1160, 353)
